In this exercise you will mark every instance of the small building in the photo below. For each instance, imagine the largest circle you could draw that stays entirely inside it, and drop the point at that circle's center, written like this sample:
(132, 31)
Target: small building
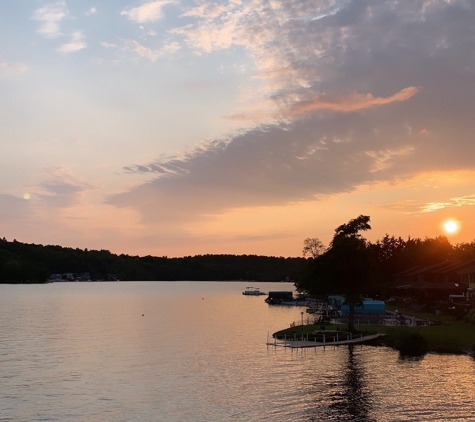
(442, 282)
(467, 277)
(369, 307)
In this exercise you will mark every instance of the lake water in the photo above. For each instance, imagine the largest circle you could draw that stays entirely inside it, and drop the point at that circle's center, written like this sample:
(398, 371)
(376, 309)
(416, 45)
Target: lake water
(84, 352)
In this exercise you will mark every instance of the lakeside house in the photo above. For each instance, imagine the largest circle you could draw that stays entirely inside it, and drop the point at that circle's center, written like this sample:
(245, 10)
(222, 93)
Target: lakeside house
(449, 282)
(467, 276)
(82, 276)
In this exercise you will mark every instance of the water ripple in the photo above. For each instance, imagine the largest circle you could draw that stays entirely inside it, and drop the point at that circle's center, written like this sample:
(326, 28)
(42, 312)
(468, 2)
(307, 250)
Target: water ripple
(83, 352)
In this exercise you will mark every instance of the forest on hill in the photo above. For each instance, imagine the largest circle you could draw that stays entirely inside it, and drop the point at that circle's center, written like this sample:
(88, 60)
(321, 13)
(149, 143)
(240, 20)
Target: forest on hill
(30, 263)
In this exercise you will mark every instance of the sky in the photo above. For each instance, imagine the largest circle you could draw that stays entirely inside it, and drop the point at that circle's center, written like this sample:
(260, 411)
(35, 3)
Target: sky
(183, 127)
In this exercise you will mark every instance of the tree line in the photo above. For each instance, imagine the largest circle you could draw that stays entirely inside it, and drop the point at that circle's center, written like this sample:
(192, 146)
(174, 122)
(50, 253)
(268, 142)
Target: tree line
(348, 259)
(31, 263)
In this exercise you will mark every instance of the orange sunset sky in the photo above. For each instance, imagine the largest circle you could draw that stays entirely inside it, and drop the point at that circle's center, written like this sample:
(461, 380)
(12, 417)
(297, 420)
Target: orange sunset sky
(191, 127)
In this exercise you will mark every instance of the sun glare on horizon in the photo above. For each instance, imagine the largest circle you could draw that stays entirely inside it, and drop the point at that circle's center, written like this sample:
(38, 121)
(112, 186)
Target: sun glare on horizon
(451, 226)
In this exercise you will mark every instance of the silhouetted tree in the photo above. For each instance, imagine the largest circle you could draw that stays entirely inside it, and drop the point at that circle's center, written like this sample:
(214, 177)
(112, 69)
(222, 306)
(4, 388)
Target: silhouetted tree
(347, 267)
(312, 247)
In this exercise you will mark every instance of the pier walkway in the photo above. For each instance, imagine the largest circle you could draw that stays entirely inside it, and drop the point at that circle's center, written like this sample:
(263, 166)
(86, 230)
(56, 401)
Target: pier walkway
(331, 341)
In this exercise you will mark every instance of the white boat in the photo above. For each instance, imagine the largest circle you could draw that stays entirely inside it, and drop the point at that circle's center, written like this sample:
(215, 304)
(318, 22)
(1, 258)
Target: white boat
(252, 291)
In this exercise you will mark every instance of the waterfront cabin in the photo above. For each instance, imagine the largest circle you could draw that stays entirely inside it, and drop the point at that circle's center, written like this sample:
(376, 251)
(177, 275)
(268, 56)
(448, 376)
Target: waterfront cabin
(368, 307)
(467, 277)
(371, 311)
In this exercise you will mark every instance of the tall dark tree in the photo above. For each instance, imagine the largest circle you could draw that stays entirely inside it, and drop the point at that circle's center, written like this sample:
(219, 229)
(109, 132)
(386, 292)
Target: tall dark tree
(353, 228)
(347, 267)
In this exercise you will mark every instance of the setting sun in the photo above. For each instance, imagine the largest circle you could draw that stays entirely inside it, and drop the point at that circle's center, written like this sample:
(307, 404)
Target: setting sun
(450, 226)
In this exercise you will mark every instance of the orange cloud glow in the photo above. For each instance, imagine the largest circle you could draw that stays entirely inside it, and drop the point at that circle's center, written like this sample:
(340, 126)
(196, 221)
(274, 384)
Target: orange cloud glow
(352, 102)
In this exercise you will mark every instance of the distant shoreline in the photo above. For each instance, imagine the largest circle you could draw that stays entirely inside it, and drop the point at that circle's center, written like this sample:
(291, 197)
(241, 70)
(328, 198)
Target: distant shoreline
(148, 281)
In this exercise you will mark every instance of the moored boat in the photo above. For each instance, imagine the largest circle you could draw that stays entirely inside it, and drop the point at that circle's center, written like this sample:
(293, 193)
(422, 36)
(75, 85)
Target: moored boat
(252, 291)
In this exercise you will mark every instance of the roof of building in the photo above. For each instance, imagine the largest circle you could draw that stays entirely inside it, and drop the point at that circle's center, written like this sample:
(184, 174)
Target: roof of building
(425, 285)
(468, 270)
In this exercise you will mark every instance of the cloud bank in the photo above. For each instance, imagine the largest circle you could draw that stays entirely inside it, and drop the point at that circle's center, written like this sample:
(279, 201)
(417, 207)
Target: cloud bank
(354, 92)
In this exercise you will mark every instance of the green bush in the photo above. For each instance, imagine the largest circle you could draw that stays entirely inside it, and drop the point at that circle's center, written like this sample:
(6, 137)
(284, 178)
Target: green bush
(407, 341)
(414, 344)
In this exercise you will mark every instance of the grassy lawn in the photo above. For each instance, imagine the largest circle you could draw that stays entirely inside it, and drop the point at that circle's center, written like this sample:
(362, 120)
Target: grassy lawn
(307, 329)
(457, 337)
(452, 337)
(433, 317)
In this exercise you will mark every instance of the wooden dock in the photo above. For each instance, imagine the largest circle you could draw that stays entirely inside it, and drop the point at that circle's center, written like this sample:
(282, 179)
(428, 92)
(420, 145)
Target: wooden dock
(332, 341)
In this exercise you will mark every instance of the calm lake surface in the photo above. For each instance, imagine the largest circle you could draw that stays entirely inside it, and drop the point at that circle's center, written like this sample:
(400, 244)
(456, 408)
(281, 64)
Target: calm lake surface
(84, 352)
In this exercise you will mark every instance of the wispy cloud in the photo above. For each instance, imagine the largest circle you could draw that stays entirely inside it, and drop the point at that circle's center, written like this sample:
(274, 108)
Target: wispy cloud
(50, 15)
(77, 43)
(91, 11)
(141, 50)
(108, 45)
(61, 189)
(416, 207)
(407, 206)
(8, 70)
(349, 103)
(352, 102)
(385, 159)
(147, 12)
(171, 48)
(148, 53)
(453, 202)
(206, 10)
